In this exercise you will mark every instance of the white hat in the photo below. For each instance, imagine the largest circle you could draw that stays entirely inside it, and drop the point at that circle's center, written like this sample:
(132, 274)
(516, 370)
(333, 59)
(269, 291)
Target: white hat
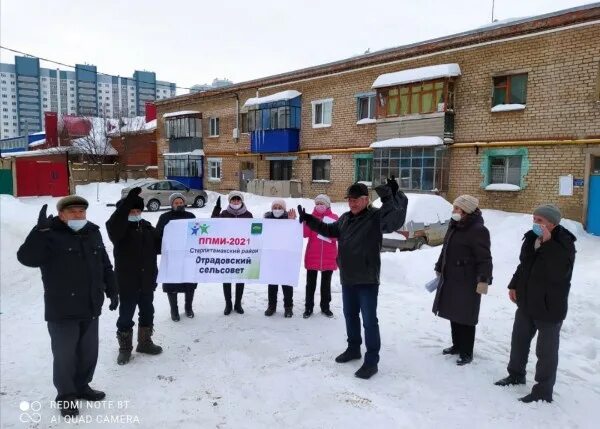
(280, 202)
(322, 198)
(234, 194)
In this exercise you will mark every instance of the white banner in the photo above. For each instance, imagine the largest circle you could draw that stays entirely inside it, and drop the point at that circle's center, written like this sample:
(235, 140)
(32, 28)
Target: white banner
(267, 251)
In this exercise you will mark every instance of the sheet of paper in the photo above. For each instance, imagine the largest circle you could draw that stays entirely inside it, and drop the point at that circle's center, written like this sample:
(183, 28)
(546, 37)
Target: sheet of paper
(565, 186)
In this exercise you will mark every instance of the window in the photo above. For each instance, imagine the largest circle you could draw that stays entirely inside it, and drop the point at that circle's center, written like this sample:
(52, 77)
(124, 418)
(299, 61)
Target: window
(280, 169)
(214, 127)
(321, 113)
(178, 186)
(244, 122)
(182, 127)
(425, 97)
(365, 106)
(321, 169)
(505, 169)
(214, 169)
(510, 89)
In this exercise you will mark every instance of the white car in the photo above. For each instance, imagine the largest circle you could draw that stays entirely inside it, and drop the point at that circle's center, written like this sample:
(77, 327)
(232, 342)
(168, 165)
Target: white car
(156, 193)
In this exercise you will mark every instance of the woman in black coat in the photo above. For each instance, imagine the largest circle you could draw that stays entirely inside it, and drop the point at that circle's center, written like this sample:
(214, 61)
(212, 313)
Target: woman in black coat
(177, 211)
(464, 269)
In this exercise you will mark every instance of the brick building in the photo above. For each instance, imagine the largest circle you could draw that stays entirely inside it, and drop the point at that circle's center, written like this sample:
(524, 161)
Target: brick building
(501, 112)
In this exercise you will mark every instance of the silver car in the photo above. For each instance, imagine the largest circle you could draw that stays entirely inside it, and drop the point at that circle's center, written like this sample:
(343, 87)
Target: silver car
(156, 193)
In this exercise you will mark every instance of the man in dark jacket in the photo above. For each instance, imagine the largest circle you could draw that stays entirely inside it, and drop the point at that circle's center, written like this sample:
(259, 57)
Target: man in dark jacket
(76, 273)
(136, 245)
(540, 288)
(359, 233)
(177, 212)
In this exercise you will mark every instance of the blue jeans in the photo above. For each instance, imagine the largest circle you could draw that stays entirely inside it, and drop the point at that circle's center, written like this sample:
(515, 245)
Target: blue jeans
(359, 299)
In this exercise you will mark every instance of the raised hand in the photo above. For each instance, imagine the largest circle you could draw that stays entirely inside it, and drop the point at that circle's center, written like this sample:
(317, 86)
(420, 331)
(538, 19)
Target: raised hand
(291, 214)
(301, 214)
(134, 192)
(44, 221)
(218, 203)
(391, 182)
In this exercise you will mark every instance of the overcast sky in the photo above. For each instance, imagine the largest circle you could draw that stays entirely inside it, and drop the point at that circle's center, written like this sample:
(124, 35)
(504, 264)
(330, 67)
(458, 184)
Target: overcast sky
(194, 41)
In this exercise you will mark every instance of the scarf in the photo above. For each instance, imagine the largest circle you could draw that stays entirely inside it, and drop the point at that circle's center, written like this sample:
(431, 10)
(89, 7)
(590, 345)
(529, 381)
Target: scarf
(237, 212)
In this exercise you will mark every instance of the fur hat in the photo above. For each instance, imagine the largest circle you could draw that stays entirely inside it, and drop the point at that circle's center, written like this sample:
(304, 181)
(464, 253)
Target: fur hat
(280, 202)
(71, 201)
(549, 212)
(174, 196)
(467, 203)
(234, 194)
(322, 198)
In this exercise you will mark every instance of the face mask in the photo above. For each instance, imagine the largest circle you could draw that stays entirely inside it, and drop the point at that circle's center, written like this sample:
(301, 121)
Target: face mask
(134, 218)
(76, 224)
(235, 206)
(179, 208)
(320, 208)
(537, 229)
(278, 212)
(456, 217)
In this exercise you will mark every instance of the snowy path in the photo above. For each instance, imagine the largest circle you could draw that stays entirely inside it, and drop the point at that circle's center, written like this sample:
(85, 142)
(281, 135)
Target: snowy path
(251, 371)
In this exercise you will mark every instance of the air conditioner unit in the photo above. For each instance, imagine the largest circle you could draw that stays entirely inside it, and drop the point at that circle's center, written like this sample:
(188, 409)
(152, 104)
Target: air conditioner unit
(236, 133)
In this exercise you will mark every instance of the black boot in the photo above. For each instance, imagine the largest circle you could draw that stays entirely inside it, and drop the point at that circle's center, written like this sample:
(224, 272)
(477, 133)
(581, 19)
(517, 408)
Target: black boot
(288, 312)
(90, 394)
(227, 295)
(327, 312)
(450, 351)
(532, 397)
(125, 339)
(189, 298)
(464, 359)
(366, 371)
(307, 313)
(270, 310)
(511, 380)
(67, 406)
(239, 292)
(348, 355)
(145, 343)
(173, 303)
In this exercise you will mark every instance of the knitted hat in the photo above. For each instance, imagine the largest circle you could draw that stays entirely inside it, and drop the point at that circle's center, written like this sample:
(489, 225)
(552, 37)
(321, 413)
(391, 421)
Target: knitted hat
(467, 203)
(174, 196)
(357, 190)
(322, 198)
(71, 201)
(549, 212)
(233, 194)
(280, 202)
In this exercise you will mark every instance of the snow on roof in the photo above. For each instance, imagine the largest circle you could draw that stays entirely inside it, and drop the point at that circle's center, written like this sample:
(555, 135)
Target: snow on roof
(418, 141)
(502, 187)
(138, 124)
(278, 96)
(49, 151)
(417, 75)
(501, 22)
(181, 113)
(508, 107)
(198, 152)
(37, 143)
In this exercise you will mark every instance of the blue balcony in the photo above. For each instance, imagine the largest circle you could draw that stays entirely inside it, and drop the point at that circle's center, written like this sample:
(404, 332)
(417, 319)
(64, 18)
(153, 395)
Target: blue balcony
(275, 141)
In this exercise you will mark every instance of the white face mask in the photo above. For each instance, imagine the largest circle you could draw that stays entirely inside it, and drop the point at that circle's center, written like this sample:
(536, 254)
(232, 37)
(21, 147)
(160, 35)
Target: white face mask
(456, 217)
(278, 212)
(235, 206)
(76, 224)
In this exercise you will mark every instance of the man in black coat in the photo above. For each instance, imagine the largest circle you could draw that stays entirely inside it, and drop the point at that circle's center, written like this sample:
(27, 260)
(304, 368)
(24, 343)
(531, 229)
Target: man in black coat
(76, 273)
(136, 245)
(177, 212)
(359, 233)
(540, 288)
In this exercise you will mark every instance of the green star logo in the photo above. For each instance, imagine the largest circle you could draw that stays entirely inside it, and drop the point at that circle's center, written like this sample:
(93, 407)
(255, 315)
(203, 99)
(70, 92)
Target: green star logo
(204, 228)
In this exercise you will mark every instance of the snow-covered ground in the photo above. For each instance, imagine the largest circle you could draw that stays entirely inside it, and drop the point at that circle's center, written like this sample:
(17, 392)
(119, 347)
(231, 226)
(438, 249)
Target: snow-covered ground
(251, 371)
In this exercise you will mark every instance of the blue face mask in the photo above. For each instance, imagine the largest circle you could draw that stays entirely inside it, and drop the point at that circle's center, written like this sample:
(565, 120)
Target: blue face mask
(76, 224)
(537, 229)
(134, 218)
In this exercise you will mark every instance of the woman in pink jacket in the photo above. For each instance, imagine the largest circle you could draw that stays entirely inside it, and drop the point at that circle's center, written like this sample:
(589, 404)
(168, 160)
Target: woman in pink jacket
(321, 254)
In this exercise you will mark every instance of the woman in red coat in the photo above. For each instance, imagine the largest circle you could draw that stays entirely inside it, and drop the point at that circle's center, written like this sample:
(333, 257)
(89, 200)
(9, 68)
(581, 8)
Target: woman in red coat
(321, 254)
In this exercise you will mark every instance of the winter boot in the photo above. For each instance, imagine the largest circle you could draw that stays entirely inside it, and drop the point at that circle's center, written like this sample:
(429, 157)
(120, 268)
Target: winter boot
(366, 371)
(145, 344)
(174, 309)
(270, 310)
(67, 406)
(348, 355)
(227, 295)
(125, 339)
(450, 351)
(90, 394)
(189, 297)
(327, 312)
(464, 359)
(307, 313)
(239, 292)
(532, 397)
(288, 312)
(511, 380)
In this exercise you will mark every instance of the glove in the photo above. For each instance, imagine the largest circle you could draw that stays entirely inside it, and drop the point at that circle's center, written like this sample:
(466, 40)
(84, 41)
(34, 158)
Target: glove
(391, 182)
(114, 302)
(482, 288)
(218, 204)
(302, 216)
(44, 221)
(134, 192)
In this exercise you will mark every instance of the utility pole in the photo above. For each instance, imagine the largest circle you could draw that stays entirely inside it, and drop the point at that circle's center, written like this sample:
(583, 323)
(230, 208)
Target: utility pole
(493, 4)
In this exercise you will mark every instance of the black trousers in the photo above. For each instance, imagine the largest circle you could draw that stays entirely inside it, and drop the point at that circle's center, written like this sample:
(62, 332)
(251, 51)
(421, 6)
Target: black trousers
(75, 351)
(311, 286)
(144, 301)
(463, 338)
(546, 350)
(288, 295)
(239, 292)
